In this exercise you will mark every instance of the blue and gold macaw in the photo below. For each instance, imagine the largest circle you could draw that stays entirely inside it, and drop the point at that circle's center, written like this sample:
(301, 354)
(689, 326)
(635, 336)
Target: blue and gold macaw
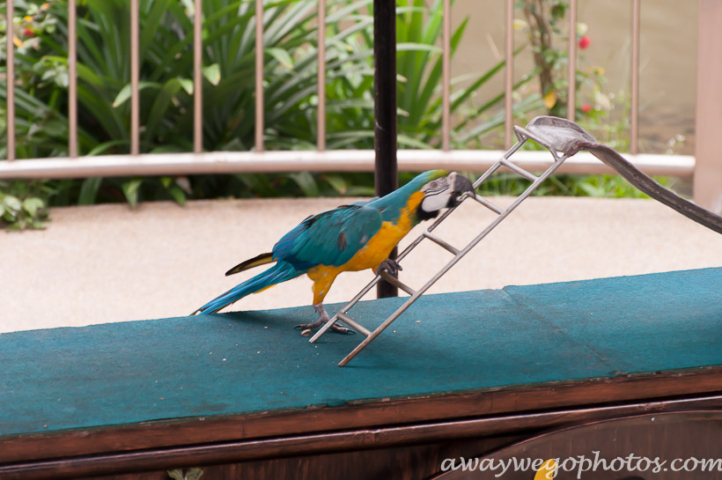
(347, 239)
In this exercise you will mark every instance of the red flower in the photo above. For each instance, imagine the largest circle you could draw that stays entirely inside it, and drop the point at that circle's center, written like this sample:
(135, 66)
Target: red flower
(584, 42)
(586, 108)
(28, 33)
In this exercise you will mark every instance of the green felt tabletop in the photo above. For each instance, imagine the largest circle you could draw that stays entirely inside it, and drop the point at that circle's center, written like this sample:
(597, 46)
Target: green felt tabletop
(235, 363)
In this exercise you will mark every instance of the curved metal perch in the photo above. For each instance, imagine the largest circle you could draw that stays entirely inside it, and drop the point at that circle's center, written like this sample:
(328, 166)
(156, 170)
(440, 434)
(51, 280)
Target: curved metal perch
(569, 138)
(563, 139)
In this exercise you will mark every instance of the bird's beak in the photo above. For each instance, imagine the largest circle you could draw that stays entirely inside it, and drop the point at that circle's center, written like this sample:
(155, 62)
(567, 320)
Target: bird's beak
(462, 186)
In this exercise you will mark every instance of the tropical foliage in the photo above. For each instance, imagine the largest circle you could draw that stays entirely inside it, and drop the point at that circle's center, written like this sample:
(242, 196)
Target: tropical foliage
(22, 205)
(166, 88)
(290, 91)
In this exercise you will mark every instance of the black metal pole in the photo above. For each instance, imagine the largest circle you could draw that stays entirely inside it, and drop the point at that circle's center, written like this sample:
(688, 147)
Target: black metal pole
(387, 176)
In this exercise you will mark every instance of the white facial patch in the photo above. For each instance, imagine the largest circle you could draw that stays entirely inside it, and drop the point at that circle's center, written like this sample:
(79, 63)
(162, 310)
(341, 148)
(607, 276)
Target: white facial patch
(437, 193)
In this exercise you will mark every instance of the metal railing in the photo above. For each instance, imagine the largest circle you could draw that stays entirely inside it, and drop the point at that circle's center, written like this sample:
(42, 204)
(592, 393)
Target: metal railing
(199, 162)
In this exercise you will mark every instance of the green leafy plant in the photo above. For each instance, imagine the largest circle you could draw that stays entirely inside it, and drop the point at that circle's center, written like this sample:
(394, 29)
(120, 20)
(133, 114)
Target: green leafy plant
(290, 96)
(419, 69)
(190, 474)
(166, 89)
(546, 27)
(23, 205)
(543, 18)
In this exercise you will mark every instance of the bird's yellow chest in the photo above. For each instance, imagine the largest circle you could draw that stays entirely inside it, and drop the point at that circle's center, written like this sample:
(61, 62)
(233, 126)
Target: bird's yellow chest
(389, 235)
(380, 245)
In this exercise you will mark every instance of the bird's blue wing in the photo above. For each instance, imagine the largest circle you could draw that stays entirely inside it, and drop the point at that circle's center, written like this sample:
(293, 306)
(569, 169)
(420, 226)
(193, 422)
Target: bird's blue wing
(330, 238)
(363, 203)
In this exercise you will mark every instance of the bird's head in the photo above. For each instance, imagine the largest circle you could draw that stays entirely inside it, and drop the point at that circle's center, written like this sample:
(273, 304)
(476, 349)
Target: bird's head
(442, 190)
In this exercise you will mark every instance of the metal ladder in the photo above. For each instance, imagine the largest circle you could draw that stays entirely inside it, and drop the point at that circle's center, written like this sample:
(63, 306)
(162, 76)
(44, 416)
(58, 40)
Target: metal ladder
(555, 134)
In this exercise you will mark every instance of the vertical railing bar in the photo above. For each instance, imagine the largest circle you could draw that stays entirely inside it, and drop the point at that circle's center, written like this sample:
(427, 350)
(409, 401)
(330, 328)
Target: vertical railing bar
(259, 75)
(634, 134)
(72, 80)
(134, 78)
(10, 79)
(707, 172)
(509, 80)
(198, 77)
(572, 55)
(321, 121)
(446, 78)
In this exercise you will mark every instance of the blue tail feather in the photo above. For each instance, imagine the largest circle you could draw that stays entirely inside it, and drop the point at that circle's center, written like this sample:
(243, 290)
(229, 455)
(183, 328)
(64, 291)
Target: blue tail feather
(278, 273)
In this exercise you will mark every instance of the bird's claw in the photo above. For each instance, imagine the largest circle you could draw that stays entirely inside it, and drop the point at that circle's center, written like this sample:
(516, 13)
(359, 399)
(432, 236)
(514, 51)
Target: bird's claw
(339, 329)
(389, 266)
(307, 326)
(335, 327)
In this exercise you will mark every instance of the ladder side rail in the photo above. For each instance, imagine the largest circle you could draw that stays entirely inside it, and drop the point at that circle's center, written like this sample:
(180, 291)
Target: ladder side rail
(451, 263)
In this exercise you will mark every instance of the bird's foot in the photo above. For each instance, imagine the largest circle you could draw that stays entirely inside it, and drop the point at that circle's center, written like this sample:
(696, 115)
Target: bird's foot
(323, 318)
(309, 326)
(339, 329)
(389, 266)
(334, 328)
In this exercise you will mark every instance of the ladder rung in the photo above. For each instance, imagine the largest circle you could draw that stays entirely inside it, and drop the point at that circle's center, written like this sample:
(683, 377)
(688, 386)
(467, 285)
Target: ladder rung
(440, 242)
(519, 170)
(397, 283)
(488, 204)
(352, 323)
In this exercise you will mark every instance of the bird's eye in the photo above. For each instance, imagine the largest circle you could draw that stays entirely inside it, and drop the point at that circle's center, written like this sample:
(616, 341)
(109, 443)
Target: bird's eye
(433, 185)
